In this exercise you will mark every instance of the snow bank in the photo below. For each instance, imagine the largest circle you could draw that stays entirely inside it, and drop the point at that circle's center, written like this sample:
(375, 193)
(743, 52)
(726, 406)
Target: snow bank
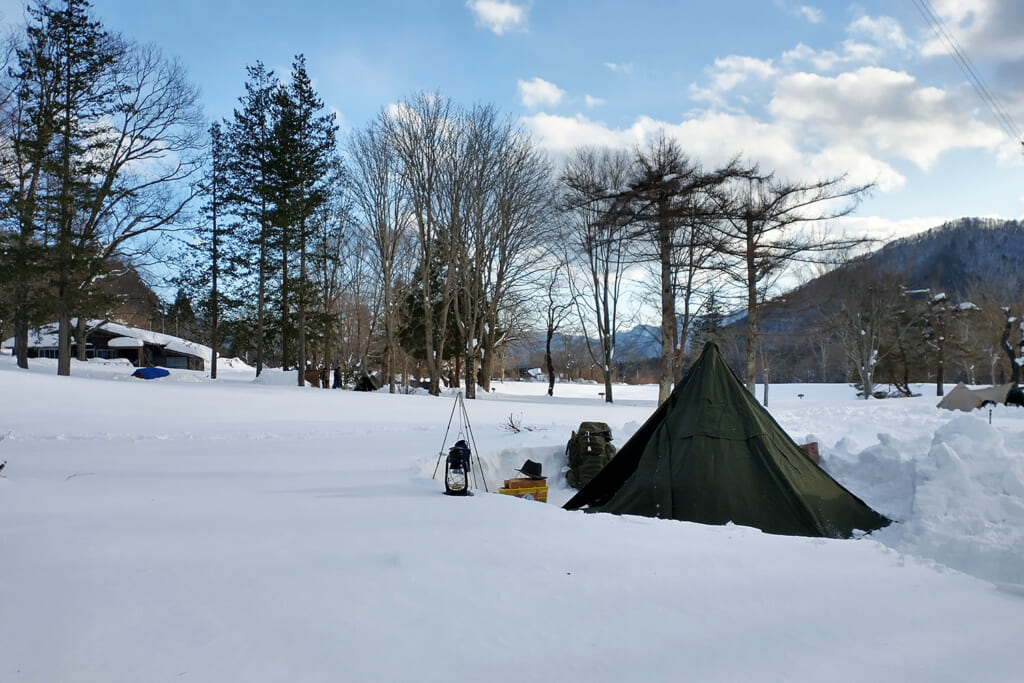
(967, 505)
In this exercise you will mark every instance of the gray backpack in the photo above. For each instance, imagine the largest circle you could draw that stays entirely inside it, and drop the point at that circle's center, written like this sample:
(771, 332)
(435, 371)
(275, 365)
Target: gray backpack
(589, 449)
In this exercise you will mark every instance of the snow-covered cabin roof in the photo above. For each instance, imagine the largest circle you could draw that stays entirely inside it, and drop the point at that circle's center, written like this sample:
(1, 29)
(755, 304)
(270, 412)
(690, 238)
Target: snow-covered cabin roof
(125, 343)
(46, 337)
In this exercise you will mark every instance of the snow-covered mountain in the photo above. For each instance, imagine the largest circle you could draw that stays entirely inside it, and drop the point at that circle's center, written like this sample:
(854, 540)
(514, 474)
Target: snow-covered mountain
(958, 254)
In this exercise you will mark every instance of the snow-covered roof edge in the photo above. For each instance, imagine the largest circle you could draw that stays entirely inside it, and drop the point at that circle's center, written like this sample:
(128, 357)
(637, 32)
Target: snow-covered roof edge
(46, 335)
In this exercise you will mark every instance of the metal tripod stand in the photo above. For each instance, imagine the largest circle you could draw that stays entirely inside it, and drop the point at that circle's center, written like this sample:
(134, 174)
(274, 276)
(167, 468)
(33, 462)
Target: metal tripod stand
(467, 430)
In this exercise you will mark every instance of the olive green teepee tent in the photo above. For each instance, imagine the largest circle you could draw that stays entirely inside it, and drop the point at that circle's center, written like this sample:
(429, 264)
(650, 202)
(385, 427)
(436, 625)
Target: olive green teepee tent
(711, 454)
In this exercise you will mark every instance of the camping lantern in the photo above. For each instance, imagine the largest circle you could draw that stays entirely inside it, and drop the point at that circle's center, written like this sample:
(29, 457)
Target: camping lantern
(456, 469)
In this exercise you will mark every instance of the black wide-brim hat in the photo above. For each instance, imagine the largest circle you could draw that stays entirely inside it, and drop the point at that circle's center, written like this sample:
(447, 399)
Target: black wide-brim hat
(531, 469)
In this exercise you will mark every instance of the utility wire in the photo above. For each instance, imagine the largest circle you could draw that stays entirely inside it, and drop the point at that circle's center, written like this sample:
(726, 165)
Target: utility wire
(1002, 116)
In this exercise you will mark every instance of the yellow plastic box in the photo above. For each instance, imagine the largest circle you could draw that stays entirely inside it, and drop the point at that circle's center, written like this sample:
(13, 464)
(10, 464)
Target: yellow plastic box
(532, 493)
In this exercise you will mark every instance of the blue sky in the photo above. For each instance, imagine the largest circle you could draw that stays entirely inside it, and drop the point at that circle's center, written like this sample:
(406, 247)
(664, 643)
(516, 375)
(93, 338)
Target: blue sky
(809, 90)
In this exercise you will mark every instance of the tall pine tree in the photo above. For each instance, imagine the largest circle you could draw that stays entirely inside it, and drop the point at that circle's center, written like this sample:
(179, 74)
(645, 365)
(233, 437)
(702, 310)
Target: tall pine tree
(249, 144)
(312, 145)
(82, 62)
(66, 92)
(282, 148)
(208, 268)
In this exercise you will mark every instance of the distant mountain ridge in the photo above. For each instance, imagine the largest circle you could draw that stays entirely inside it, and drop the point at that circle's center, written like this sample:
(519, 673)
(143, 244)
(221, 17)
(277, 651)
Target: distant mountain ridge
(639, 343)
(949, 259)
(954, 255)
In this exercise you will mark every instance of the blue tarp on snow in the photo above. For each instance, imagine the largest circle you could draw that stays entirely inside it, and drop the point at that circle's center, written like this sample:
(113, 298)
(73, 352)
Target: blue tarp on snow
(150, 373)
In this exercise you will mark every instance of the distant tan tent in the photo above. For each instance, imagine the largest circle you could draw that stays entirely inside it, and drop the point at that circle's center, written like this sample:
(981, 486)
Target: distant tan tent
(966, 399)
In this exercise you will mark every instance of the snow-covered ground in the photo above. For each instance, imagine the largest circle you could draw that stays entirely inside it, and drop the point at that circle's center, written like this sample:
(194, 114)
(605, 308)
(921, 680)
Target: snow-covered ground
(183, 529)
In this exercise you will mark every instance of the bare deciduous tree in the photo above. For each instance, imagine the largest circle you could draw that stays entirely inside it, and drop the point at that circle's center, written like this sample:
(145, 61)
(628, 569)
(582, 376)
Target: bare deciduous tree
(381, 203)
(597, 248)
(423, 133)
(556, 311)
(523, 195)
(671, 213)
(768, 225)
(1016, 356)
(869, 320)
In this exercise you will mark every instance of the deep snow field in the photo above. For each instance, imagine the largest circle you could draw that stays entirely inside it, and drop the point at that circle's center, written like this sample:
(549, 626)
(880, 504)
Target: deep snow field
(184, 529)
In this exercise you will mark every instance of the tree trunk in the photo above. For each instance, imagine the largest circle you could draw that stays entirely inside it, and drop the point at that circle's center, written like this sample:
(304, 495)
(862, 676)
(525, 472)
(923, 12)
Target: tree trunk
(389, 336)
(82, 352)
(549, 364)
(455, 378)
(668, 313)
(1005, 343)
(286, 313)
(261, 294)
(388, 360)
(765, 378)
(486, 354)
(21, 322)
(261, 302)
(940, 352)
(214, 308)
(753, 323)
(867, 381)
(904, 386)
(63, 339)
(433, 354)
(302, 303)
(486, 369)
(607, 371)
(470, 372)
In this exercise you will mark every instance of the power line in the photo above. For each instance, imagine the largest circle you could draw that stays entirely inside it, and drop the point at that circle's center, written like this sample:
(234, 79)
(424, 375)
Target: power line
(1002, 116)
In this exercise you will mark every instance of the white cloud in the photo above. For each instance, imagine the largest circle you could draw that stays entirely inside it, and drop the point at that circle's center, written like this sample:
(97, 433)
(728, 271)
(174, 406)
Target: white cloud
(538, 92)
(983, 28)
(498, 16)
(880, 31)
(860, 167)
(881, 110)
(615, 67)
(886, 229)
(733, 70)
(729, 72)
(592, 101)
(813, 113)
(779, 145)
(987, 34)
(870, 39)
(714, 138)
(857, 52)
(811, 14)
(808, 13)
(565, 133)
(819, 60)
(717, 137)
